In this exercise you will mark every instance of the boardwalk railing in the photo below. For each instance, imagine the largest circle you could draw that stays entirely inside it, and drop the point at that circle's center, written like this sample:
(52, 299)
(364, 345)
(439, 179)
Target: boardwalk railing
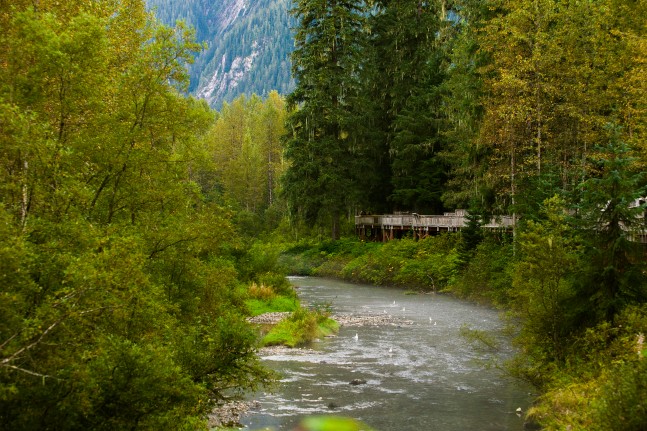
(390, 226)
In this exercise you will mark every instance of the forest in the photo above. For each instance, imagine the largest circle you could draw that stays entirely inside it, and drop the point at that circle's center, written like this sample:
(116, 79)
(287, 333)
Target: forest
(140, 227)
(234, 29)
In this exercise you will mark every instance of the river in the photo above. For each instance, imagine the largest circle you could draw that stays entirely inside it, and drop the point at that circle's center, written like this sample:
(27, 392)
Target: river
(422, 375)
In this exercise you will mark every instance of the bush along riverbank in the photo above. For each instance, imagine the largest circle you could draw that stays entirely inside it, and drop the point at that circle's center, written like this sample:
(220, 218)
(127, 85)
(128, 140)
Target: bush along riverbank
(587, 362)
(287, 323)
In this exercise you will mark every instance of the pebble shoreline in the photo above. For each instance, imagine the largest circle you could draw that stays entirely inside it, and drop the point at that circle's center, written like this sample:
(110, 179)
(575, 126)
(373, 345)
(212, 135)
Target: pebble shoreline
(228, 415)
(343, 319)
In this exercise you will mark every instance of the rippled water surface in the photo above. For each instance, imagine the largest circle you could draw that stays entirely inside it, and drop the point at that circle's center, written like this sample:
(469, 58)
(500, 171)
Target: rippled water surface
(424, 376)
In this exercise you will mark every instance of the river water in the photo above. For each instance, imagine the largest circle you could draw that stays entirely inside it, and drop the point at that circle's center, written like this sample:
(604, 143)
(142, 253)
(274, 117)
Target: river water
(419, 376)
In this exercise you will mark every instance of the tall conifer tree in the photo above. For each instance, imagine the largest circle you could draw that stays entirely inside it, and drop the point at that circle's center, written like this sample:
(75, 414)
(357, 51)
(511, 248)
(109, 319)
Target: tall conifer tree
(324, 147)
(405, 72)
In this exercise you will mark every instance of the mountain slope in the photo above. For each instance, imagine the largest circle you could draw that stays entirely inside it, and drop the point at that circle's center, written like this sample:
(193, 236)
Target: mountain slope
(249, 45)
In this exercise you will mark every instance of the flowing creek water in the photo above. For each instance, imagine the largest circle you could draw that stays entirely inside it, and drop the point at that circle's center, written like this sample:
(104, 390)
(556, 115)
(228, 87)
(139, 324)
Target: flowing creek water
(422, 375)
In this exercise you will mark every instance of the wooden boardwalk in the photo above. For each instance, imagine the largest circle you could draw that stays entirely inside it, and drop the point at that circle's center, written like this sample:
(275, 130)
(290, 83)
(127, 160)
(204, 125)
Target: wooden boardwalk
(391, 226)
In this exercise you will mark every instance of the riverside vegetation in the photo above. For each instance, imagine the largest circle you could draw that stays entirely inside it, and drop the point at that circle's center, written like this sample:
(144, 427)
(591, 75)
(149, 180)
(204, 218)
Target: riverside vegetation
(589, 377)
(139, 229)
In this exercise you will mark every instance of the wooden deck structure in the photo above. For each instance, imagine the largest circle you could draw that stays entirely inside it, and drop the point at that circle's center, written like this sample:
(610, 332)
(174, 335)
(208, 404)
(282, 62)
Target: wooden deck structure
(391, 226)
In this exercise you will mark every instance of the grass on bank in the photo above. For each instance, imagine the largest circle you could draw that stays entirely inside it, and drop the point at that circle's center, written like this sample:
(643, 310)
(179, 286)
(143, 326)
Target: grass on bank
(430, 264)
(263, 299)
(301, 328)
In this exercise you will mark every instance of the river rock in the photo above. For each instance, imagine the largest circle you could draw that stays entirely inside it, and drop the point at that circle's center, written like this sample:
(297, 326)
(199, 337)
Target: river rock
(285, 350)
(530, 425)
(370, 320)
(356, 382)
(228, 414)
(269, 318)
(350, 320)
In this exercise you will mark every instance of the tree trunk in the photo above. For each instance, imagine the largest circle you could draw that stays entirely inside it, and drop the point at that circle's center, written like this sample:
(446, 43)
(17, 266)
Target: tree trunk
(335, 228)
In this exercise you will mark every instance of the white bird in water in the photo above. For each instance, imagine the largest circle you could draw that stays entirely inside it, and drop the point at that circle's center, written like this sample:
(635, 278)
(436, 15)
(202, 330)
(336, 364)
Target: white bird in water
(356, 337)
(404, 309)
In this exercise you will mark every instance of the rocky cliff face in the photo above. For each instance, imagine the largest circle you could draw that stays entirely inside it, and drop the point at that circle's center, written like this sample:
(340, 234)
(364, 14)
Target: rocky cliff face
(230, 11)
(227, 76)
(249, 45)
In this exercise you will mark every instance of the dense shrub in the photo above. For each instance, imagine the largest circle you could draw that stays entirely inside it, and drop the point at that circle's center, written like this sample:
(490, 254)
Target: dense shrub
(428, 264)
(487, 275)
(603, 386)
(622, 404)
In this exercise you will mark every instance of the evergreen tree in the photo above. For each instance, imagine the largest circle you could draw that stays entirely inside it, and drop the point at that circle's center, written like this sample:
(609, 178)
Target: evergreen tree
(549, 258)
(462, 108)
(612, 211)
(403, 75)
(323, 147)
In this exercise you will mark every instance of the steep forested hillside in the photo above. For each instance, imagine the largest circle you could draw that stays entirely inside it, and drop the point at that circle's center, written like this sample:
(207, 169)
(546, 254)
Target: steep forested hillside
(248, 45)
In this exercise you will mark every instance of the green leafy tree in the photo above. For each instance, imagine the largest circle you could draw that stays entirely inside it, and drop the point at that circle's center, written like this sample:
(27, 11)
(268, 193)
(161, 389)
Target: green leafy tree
(462, 108)
(245, 149)
(558, 70)
(543, 281)
(109, 256)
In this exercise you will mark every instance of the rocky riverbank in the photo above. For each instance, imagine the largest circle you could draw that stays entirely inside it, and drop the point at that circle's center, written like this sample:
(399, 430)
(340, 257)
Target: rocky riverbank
(343, 319)
(228, 415)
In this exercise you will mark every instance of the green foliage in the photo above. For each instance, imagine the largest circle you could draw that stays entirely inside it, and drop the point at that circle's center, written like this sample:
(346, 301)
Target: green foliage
(602, 386)
(403, 71)
(323, 148)
(301, 328)
(247, 161)
(487, 274)
(332, 423)
(261, 260)
(257, 307)
(621, 401)
(616, 275)
(543, 280)
(119, 304)
(428, 264)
